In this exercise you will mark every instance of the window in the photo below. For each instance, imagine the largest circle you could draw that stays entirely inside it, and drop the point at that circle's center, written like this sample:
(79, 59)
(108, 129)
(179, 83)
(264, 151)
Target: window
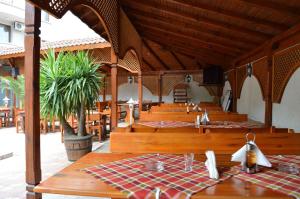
(4, 33)
(45, 16)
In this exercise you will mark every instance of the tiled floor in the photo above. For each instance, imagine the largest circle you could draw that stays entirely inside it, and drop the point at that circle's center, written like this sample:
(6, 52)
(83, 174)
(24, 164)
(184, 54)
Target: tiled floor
(12, 170)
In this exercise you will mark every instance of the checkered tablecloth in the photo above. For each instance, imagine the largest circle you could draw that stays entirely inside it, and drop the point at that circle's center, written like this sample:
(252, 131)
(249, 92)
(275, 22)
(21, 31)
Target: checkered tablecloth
(272, 178)
(130, 177)
(230, 124)
(167, 124)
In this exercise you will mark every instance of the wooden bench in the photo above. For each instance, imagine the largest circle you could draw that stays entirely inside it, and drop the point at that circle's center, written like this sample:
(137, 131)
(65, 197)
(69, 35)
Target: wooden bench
(191, 117)
(181, 109)
(221, 143)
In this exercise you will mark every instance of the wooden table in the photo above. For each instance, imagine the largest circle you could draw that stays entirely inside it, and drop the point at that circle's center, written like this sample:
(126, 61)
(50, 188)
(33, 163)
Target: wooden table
(73, 181)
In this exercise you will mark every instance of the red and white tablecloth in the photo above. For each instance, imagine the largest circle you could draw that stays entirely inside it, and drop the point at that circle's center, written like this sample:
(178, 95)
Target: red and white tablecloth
(230, 124)
(214, 124)
(130, 177)
(272, 178)
(167, 124)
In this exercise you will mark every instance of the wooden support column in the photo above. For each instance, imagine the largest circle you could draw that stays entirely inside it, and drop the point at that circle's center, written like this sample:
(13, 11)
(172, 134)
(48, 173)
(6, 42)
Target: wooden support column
(268, 98)
(114, 89)
(104, 90)
(159, 88)
(32, 96)
(140, 90)
(234, 91)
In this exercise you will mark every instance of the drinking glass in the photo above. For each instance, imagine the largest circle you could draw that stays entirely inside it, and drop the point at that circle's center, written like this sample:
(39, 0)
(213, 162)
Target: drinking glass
(289, 168)
(188, 161)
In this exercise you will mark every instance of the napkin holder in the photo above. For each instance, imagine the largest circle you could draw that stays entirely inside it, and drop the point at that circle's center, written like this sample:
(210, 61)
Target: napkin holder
(250, 156)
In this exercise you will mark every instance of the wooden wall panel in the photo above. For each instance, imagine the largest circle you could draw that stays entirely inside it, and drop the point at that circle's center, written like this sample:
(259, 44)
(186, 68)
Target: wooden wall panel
(241, 76)
(260, 71)
(129, 38)
(285, 63)
(169, 81)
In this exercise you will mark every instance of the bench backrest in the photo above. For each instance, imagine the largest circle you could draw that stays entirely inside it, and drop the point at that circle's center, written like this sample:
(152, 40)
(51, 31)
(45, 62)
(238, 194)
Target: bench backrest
(191, 117)
(221, 143)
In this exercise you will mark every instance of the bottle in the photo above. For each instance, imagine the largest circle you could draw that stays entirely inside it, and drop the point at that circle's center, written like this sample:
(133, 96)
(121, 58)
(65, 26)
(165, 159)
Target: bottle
(250, 164)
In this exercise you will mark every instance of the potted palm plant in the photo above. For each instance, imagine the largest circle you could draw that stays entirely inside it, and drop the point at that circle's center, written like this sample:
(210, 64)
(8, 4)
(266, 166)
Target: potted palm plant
(69, 85)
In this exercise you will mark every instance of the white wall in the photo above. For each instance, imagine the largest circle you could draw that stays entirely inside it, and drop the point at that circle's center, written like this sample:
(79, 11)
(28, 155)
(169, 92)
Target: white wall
(251, 100)
(287, 113)
(125, 91)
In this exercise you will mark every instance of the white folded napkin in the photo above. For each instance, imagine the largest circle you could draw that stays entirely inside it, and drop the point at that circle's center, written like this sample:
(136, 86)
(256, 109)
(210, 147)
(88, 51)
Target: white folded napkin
(211, 165)
(240, 156)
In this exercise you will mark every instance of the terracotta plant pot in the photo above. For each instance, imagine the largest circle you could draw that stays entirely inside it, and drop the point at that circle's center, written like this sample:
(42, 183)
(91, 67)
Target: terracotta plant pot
(77, 147)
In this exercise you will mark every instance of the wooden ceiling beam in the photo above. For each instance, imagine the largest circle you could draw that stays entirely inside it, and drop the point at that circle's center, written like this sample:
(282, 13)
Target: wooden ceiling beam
(178, 60)
(273, 6)
(192, 53)
(150, 6)
(149, 65)
(207, 38)
(160, 39)
(188, 24)
(264, 47)
(230, 13)
(156, 56)
(189, 40)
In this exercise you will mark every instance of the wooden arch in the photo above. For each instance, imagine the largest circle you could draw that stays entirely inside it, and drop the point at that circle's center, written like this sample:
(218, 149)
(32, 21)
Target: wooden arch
(258, 67)
(106, 10)
(240, 79)
(286, 62)
(130, 61)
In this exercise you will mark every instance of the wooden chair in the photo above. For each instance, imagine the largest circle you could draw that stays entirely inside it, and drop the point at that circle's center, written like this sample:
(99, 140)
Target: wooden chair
(94, 125)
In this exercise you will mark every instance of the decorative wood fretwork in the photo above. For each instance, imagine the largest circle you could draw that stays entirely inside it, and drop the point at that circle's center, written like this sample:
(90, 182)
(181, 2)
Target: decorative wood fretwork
(260, 71)
(108, 10)
(169, 82)
(285, 63)
(241, 76)
(130, 62)
(151, 83)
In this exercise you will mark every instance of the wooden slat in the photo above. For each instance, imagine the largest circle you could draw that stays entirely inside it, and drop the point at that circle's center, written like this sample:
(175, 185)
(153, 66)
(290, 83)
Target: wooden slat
(198, 53)
(201, 36)
(195, 26)
(273, 6)
(231, 13)
(178, 60)
(198, 43)
(149, 6)
(148, 65)
(155, 55)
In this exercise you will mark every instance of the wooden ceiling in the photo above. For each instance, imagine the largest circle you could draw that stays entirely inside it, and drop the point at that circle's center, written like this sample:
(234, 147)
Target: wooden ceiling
(193, 34)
